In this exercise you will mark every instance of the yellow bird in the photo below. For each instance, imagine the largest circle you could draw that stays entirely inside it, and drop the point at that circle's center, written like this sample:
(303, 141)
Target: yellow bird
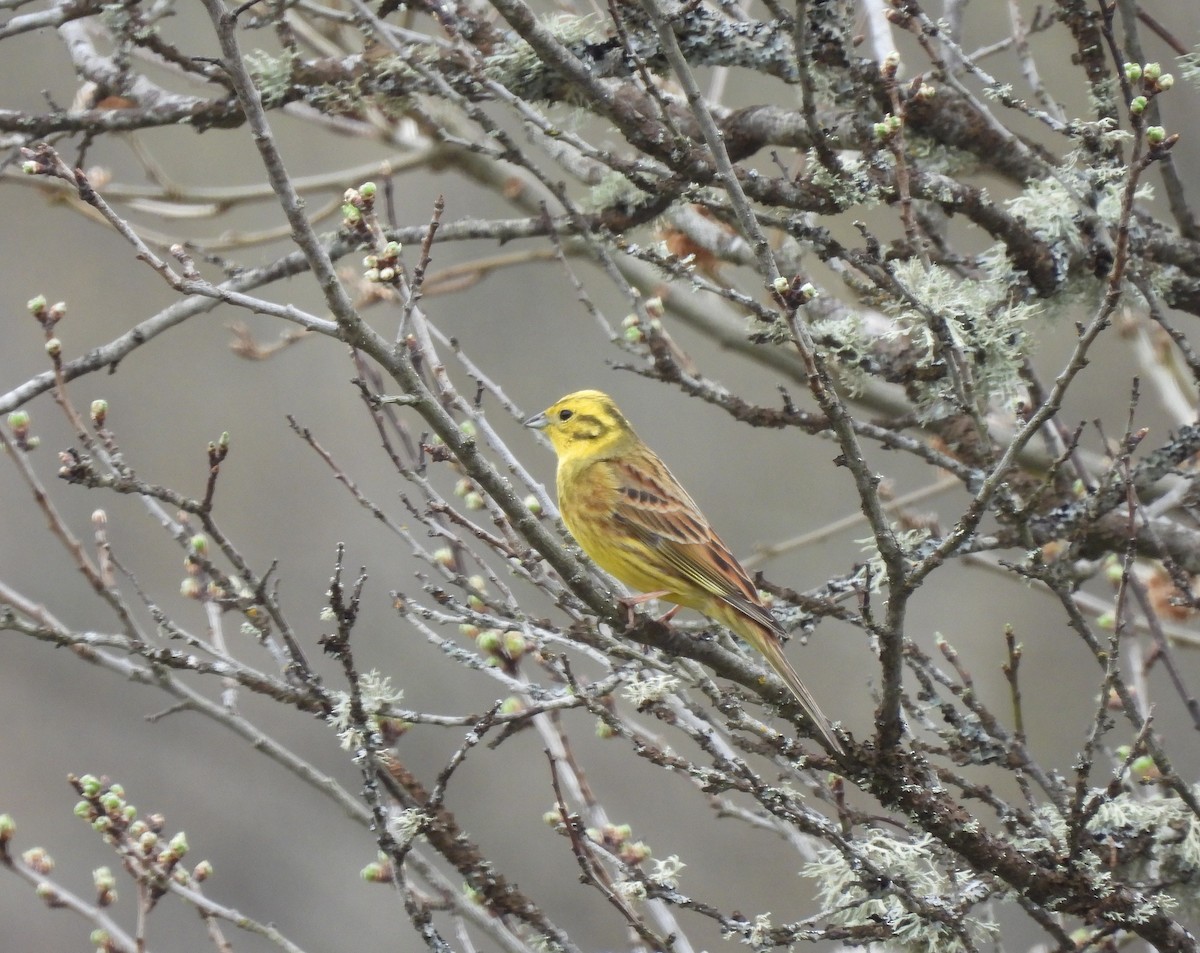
(632, 517)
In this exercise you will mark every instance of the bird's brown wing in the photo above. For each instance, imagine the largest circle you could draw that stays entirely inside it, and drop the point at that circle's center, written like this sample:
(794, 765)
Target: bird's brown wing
(653, 506)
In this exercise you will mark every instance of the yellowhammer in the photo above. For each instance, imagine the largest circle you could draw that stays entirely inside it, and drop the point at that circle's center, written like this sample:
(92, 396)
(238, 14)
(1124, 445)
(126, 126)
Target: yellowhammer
(629, 514)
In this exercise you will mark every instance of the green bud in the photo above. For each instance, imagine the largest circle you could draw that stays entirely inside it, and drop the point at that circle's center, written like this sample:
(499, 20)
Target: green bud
(1155, 135)
(1133, 72)
(1164, 82)
(604, 730)
(38, 860)
(1152, 71)
(36, 305)
(467, 427)
(473, 501)
(489, 641)
(202, 871)
(512, 706)
(632, 335)
(179, 844)
(533, 504)
(100, 938)
(1138, 105)
(387, 275)
(198, 544)
(18, 422)
(85, 810)
(148, 842)
(99, 412)
(89, 785)
(8, 827)
(367, 190)
(54, 347)
(103, 878)
(444, 556)
(1144, 766)
(514, 644)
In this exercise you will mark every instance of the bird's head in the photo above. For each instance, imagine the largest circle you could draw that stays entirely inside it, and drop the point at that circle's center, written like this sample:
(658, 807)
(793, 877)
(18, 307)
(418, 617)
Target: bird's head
(582, 424)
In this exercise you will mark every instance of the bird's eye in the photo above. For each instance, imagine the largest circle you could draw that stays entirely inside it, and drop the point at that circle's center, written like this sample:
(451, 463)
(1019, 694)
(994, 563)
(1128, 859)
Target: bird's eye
(566, 414)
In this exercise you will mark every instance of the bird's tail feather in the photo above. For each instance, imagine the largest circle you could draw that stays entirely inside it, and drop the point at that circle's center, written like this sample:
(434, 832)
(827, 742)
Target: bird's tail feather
(771, 648)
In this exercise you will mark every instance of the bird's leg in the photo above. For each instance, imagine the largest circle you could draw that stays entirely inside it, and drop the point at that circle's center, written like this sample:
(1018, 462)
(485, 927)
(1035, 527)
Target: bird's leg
(630, 602)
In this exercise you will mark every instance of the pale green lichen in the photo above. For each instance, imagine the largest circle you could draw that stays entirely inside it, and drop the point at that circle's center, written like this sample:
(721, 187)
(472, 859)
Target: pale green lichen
(652, 688)
(851, 186)
(911, 541)
(865, 893)
(984, 320)
(614, 189)
(377, 697)
(1189, 66)
(512, 65)
(272, 75)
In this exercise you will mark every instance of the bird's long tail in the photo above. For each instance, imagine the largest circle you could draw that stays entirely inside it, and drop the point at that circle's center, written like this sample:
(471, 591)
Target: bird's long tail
(767, 643)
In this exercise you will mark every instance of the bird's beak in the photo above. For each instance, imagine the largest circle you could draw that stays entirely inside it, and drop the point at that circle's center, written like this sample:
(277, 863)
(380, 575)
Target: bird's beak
(537, 421)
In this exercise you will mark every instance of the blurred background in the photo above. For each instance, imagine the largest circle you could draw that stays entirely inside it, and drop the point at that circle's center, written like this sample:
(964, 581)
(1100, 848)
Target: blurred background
(279, 853)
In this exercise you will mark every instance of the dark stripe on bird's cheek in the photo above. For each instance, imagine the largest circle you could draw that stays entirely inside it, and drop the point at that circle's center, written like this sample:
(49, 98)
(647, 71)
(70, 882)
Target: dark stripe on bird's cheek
(587, 427)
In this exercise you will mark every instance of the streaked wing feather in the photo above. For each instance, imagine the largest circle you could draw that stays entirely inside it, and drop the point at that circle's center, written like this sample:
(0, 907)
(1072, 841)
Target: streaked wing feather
(656, 509)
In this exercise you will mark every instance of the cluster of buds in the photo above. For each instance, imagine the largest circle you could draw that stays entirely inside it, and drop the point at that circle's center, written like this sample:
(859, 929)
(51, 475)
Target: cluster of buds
(635, 330)
(500, 647)
(18, 423)
(358, 204)
(1151, 80)
(48, 315)
(384, 267)
(618, 839)
(196, 584)
(889, 128)
(469, 493)
(794, 292)
(139, 839)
